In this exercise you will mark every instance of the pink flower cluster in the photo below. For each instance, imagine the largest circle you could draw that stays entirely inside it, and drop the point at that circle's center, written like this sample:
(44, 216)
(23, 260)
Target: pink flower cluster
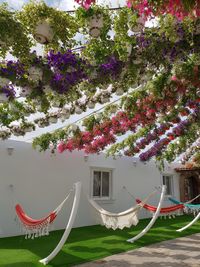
(85, 3)
(176, 8)
(141, 113)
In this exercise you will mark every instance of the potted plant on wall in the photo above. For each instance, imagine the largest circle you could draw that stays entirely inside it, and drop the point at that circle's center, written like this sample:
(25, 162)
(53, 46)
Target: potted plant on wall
(48, 25)
(95, 20)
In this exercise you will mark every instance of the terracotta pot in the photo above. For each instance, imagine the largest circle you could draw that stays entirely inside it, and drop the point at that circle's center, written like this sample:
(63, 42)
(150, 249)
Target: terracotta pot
(43, 33)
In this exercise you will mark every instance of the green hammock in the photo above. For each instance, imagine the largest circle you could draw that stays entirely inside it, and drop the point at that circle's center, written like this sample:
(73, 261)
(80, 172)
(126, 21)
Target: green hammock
(188, 206)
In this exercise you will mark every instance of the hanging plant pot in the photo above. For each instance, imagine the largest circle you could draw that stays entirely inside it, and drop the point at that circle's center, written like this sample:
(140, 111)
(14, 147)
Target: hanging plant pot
(119, 92)
(2, 44)
(105, 99)
(78, 110)
(65, 114)
(47, 89)
(25, 91)
(4, 135)
(128, 49)
(17, 131)
(91, 104)
(43, 33)
(95, 25)
(137, 24)
(3, 98)
(4, 82)
(53, 118)
(35, 74)
(43, 122)
(28, 129)
(56, 104)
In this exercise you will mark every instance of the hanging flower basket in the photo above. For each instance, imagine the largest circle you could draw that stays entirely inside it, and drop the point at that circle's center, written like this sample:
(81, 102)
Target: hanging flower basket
(91, 104)
(53, 118)
(5, 134)
(17, 130)
(95, 24)
(65, 114)
(48, 26)
(96, 19)
(119, 92)
(135, 23)
(35, 74)
(43, 32)
(43, 122)
(3, 98)
(78, 110)
(24, 91)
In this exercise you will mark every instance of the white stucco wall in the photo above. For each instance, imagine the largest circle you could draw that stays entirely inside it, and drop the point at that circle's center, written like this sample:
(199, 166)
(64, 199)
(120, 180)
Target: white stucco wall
(41, 180)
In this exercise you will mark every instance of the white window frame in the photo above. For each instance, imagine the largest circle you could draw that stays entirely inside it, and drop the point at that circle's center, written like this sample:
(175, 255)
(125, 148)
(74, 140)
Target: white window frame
(171, 183)
(99, 169)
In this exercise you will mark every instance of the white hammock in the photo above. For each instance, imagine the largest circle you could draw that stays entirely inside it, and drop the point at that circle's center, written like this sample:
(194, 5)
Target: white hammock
(119, 220)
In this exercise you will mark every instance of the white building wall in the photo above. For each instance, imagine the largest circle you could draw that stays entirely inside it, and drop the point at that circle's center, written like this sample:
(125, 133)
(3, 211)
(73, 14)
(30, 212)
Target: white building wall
(40, 181)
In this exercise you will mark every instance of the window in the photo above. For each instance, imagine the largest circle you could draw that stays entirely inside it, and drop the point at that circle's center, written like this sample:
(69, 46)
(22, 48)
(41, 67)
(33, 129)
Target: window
(168, 181)
(101, 183)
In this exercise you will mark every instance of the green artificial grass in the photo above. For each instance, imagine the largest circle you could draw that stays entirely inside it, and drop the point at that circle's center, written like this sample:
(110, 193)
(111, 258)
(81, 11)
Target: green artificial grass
(87, 243)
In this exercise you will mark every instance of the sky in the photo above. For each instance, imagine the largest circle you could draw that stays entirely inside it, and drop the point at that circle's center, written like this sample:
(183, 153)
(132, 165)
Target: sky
(63, 4)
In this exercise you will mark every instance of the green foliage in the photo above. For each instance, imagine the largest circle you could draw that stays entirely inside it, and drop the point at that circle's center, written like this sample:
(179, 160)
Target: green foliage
(84, 16)
(13, 36)
(63, 25)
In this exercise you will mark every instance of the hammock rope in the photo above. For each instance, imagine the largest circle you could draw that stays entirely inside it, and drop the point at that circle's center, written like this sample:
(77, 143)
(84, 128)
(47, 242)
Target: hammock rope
(33, 228)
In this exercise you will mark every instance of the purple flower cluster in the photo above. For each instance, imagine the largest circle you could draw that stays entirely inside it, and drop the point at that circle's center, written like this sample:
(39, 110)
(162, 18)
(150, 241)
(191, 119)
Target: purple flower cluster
(62, 61)
(111, 68)
(68, 70)
(8, 90)
(153, 136)
(177, 131)
(12, 70)
(154, 150)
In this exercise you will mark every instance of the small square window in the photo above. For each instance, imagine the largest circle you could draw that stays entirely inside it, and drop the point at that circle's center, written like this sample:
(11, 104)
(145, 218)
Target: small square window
(101, 184)
(168, 181)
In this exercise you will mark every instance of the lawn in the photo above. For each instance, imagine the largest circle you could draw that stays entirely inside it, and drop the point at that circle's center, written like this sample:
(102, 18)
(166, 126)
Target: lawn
(87, 243)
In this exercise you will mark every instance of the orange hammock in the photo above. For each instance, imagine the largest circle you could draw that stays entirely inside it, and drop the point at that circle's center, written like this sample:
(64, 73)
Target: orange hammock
(25, 219)
(34, 228)
(163, 210)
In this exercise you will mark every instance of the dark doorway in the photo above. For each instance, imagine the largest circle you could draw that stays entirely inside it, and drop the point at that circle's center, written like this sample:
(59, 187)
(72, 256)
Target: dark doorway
(193, 189)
